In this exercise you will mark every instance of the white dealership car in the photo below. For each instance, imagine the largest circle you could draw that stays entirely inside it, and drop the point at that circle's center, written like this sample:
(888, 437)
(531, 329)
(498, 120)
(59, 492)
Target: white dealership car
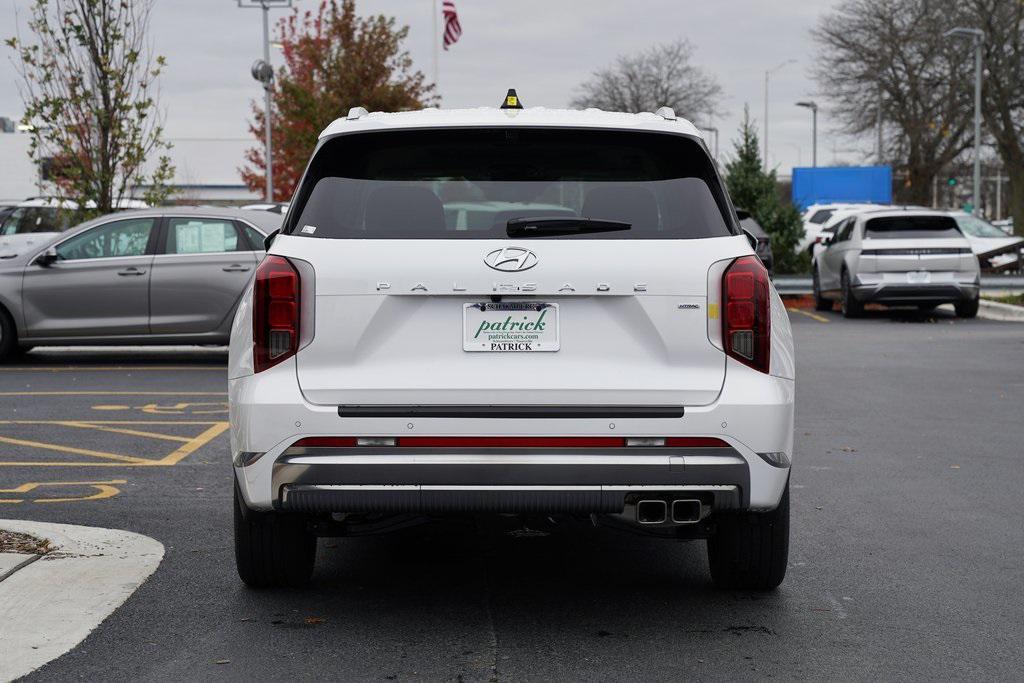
(595, 339)
(897, 257)
(817, 217)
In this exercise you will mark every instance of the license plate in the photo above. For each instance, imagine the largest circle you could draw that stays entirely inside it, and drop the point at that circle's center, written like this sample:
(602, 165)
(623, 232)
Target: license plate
(512, 327)
(919, 277)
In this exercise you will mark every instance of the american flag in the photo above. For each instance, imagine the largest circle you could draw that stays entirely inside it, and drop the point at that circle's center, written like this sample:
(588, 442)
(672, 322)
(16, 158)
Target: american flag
(452, 28)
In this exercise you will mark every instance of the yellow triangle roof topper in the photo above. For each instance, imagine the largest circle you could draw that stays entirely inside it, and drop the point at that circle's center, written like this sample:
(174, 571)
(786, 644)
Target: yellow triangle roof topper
(511, 100)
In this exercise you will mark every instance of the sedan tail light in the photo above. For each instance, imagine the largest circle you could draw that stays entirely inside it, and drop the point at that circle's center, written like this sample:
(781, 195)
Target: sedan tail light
(746, 313)
(276, 312)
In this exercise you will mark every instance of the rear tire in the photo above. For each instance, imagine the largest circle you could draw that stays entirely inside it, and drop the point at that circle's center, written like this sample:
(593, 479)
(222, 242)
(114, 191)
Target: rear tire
(967, 309)
(272, 550)
(8, 337)
(750, 550)
(820, 303)
(851, 307)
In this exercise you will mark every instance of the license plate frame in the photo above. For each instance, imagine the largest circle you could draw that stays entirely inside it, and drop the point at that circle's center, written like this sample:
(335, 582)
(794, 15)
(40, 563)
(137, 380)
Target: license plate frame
(475, 338)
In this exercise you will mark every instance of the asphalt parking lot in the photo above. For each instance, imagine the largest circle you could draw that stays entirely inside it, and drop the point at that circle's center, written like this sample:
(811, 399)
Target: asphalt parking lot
(906, 557)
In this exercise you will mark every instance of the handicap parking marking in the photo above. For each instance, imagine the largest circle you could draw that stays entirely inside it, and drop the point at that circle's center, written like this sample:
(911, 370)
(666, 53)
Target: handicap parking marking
(203, 408)
(138, 428)
(96, 490)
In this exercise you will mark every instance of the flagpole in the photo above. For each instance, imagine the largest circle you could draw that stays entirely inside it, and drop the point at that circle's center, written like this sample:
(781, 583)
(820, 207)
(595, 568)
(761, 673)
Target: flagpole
(434, 34)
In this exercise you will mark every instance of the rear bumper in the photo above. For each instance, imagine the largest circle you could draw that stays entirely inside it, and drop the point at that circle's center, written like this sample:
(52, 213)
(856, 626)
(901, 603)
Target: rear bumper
(753, 414)
(880, 288)
(502, 480)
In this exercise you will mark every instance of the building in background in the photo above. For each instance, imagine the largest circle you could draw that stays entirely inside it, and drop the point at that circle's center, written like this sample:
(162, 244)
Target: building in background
(206, 169)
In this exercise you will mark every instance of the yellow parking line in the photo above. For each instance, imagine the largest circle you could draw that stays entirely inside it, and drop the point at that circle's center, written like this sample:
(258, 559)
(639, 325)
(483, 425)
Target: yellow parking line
(70, 449)
(812, 316)
(110, 368)
(113, 393)
(194, 444)
(48, 463)
(129, 432)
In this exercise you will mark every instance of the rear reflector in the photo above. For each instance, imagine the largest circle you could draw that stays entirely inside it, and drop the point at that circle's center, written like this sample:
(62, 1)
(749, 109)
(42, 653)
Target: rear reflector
(695, 442)
(508, 442)
(325, 442)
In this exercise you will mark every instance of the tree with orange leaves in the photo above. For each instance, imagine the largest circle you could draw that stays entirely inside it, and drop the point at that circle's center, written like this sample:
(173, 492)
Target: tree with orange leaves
(333, 60)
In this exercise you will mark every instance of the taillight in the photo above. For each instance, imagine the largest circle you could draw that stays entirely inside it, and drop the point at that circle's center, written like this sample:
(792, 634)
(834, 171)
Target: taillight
(746, 312)
(275, 316)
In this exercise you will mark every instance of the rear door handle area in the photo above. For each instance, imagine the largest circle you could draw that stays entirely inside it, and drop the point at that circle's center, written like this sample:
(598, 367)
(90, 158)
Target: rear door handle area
(235, 268)
(132, 271)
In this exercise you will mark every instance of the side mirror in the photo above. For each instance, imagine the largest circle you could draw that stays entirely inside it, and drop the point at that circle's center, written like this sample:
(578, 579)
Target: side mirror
(269, 239)
(750, 238)
(47, 257)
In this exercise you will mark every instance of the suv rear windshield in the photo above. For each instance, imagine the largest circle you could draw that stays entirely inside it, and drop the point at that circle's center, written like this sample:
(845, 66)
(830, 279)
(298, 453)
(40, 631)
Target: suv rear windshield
(468, 183)
(912, 227)
(821, 216)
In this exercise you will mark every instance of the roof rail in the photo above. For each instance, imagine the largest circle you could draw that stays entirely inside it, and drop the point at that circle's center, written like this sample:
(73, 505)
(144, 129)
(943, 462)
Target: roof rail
(667, 113)
(356, 113)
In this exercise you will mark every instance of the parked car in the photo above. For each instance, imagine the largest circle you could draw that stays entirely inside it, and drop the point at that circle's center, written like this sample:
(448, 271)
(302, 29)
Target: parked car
(994, 248)
(158, 276)
(272, 207)
(1006, 225)
(389, 363)
(897, 257)
(763, 247)
(34, 221)
(816, 216)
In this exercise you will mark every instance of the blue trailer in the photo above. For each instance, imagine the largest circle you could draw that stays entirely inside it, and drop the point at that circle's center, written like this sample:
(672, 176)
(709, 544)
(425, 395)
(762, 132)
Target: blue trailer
(842, 184)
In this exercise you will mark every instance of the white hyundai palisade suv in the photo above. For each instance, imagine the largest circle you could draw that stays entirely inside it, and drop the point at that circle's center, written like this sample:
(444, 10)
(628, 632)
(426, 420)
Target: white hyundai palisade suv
(516, 311)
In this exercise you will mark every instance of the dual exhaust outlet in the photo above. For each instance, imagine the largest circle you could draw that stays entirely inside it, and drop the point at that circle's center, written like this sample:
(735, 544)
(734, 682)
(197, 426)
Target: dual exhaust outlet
(678, 511)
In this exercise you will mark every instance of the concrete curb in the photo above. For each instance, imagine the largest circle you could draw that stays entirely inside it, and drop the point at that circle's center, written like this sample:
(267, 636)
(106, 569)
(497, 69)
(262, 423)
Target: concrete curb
(49, 606)
(995, 310)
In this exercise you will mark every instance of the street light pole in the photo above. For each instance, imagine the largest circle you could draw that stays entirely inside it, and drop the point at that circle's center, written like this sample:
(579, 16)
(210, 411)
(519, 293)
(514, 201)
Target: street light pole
(266, 105)
(813, 106)
(767, 73)
(978, 37)
(263, 72)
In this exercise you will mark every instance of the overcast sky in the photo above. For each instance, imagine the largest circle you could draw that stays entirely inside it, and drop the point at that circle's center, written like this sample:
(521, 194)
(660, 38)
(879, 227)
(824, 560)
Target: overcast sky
(543, 48)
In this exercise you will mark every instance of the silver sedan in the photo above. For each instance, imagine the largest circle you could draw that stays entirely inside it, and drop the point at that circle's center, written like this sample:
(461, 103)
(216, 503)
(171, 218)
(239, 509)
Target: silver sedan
(158, 276)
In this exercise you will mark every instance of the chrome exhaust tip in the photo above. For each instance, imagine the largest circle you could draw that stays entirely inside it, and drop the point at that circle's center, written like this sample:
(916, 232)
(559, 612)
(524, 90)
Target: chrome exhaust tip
(686, 511)
(651, 511)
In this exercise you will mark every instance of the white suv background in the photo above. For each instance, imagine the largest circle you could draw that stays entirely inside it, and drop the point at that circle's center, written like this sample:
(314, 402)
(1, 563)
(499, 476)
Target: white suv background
(534, 311)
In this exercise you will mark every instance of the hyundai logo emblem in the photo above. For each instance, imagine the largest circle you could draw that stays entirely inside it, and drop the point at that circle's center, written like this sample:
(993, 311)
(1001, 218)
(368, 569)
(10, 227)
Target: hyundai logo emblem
(511, 259)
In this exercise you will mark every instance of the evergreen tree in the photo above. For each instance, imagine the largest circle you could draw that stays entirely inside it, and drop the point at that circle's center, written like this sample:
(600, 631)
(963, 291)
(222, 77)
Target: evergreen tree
(754, 190)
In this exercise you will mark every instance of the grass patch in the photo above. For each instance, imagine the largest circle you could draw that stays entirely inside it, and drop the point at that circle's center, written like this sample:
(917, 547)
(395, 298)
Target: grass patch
(1015, 299)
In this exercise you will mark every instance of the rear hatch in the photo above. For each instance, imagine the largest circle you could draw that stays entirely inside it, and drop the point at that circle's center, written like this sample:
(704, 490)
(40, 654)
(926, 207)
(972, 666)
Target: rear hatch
(902, 244)
(426, 294)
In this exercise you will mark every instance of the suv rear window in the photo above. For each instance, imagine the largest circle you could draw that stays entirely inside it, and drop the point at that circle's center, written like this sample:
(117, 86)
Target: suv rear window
(821, 216)
(912, 227)
(468, 183)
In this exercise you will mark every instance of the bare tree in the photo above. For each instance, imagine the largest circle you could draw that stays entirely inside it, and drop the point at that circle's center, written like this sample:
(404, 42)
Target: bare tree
(663, 75)
(1003, 91)
(892, 54)
(88, 85)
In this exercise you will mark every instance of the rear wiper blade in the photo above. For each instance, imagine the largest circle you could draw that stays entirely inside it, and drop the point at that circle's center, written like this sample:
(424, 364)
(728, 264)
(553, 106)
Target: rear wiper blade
(553, 226)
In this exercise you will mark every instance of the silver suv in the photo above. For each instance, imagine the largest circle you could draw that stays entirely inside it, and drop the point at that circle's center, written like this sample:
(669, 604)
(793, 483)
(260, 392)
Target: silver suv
(897, 257)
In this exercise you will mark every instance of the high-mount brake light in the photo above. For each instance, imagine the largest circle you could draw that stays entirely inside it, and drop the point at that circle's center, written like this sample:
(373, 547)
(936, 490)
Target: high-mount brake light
(746, 312)
(276, 312)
